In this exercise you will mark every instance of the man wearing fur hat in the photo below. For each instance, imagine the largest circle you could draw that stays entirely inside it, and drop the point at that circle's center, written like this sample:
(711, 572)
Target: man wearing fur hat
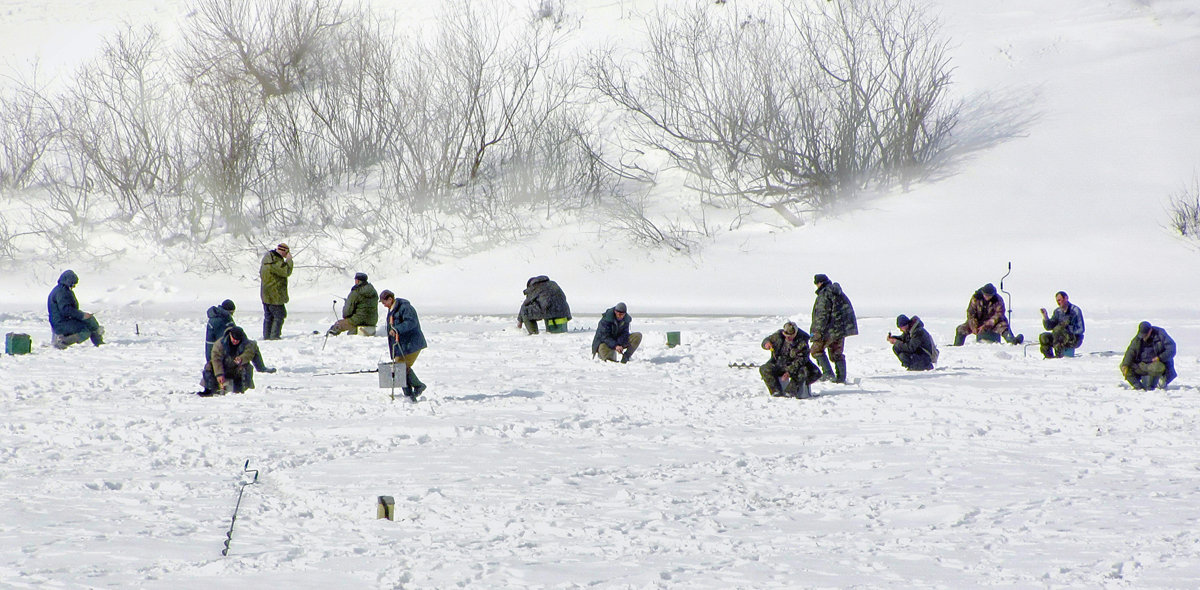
(360, 313)
(987, 319)
(914, 346)
(832, 321)
(274, 271)
(789, 361)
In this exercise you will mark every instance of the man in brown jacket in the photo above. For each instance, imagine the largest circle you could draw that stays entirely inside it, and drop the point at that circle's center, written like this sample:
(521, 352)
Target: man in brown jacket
(987, 319)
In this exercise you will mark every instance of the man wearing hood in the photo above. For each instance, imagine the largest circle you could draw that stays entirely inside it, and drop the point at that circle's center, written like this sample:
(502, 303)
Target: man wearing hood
(1149, 361)
(70, 326)
(914, 346)
(544, 300)
(832, 321)
(613, 337)
(360, 313)
(987, 319)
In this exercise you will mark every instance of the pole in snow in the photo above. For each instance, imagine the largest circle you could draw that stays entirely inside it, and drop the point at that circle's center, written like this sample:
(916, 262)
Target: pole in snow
(229, 535)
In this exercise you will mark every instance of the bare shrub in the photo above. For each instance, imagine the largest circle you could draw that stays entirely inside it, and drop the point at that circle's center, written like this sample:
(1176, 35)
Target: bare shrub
(118, 114)
(29, 125)
(792, 109)
(1185, 210)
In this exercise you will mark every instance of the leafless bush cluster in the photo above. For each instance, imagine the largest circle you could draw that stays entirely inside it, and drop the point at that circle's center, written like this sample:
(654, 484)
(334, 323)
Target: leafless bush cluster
(309, 117)
(1185, 210)
(792, 109)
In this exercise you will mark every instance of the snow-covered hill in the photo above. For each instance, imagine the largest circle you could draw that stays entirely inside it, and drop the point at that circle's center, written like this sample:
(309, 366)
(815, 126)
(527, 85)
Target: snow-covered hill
(532, 465)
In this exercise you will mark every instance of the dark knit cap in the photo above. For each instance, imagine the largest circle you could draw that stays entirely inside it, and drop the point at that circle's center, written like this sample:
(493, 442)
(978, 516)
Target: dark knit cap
(902, 320)
(988, 289)
(238, 333)
(820, 278)
(620, 307)
(1144, 328)
(360, 276)
(228, 305)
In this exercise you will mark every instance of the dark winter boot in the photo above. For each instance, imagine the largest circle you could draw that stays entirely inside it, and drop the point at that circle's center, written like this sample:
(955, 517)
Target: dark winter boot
(261, 366)
(804, 391)
(959, 339)
(415, 387)
(1134, 381)
(1150, 382)
(839, 366)
(1014, 340)
(826, 371)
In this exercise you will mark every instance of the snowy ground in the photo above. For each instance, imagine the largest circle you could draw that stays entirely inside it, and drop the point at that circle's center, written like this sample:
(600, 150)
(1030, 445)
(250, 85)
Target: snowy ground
(532, 465)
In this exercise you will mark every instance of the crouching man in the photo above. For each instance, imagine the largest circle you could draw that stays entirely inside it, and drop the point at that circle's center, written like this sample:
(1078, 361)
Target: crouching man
(232, 363)
(790, 362)
(71, 326)
(1149, 361)
(914, 346)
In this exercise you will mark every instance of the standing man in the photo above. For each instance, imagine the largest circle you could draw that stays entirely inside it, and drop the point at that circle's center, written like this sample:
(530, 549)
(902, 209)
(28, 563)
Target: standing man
(544, 300)
(914, 346)
(274, 272)
(359, 313)
(1149, 359)
(613, 336)
(69, 325)
(405, 339)
(789, 360)
(987, 319)
(832, 321)
(1066, 327)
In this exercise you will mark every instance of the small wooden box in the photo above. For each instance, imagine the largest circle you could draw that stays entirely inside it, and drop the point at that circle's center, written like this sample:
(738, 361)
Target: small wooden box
(385, 508)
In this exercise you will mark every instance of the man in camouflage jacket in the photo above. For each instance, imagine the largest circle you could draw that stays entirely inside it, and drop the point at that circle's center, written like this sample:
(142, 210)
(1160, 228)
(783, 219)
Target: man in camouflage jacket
(789, 358)
(832, 321)
(987, 319)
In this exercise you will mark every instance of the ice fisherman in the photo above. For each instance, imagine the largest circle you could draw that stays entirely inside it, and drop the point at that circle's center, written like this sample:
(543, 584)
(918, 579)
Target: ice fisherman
(68, 324)
(789, 362)
(1065, 328)
(220, 319)
(405, 339)
(613, 336)
(1149, 361)
(274, 271)
(832, 321)
(987, 319)
(359, 313)
(544, 300)
(231, 364)
(914, 346)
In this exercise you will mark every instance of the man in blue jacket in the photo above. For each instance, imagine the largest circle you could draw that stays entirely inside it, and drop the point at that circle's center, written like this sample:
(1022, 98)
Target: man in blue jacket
(405, 339)
(70, 326)
(1065, 327)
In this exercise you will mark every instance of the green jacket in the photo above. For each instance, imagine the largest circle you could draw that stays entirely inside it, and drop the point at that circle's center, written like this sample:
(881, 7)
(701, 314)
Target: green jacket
(274, 273)
(362, 305)
(833, 315)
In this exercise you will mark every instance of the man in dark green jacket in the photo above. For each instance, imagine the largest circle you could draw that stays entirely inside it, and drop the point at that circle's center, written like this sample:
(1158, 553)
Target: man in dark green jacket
(360, 313)
(274, 271)
(613, 336)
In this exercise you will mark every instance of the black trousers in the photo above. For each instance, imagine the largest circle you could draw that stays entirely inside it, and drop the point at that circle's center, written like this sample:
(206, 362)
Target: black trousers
(273, 321)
